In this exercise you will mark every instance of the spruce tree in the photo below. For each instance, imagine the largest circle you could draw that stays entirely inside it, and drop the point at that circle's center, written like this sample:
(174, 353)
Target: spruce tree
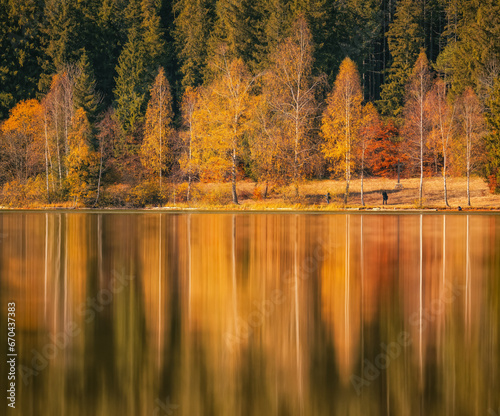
(192, 26)
(405, 38)
(137, 62)
(20, 51)
(238, 27)
(85, 95)
(130, 91)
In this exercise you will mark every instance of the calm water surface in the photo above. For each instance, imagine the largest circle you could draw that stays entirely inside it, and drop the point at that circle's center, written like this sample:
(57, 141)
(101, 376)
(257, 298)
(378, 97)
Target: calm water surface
(252, 314)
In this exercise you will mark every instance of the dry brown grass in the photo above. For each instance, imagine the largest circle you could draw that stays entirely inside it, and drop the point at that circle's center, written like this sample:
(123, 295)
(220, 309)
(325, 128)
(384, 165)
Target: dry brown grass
(312, 194)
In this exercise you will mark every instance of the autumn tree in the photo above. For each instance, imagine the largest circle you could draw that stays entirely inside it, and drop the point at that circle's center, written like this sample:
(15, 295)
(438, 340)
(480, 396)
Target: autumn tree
(268, 152)
(224, 113)
(417, 120)
(107, 135)
(342, 121)
(23, 140)
(443, 116)
(471, 118)
(290, 90)
(189, 135)
(157, 130)
(384, 156)
(492, 139)
(81, 160)
(369, 129)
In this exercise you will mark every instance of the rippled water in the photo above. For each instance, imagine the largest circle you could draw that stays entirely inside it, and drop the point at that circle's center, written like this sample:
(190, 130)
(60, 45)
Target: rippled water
(252, 314)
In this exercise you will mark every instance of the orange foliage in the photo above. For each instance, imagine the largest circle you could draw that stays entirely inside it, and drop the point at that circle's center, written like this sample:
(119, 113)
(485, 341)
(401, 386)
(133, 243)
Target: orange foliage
(383, 150)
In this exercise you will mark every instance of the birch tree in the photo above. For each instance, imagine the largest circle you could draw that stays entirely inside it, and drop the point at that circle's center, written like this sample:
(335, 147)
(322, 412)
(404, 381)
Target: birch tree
(443, 126)
(225, 115)
(159, 115)
(290, 89)
(342, 121)
(188, 137)
(417, 120)
(472, 121)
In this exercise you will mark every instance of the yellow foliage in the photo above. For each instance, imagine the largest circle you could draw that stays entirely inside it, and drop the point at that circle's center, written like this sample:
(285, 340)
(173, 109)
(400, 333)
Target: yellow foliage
(342, 118)
(81, 160)
(154, 150)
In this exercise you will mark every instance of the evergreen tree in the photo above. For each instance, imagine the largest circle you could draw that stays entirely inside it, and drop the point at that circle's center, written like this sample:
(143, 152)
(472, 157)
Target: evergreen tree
(140, 55)
(85, 95)
(405, 38)
(62, 33)
(238, 26)
(108, 40)
(130, 91)
(192, 27)
(20, 51)
(472, 54)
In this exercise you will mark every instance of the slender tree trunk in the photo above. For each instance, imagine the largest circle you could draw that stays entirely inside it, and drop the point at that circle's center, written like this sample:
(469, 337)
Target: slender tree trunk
(100, 173)
(421, 143)
(296, 157)
(161, 164)
(468, 150)
(46, 158)
(190, 176)
(348, 152)
(444, 179)
(362, 174)
(235, 195)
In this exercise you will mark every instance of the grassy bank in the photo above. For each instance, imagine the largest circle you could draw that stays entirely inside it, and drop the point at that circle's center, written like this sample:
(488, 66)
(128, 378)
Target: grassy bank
(214, 196)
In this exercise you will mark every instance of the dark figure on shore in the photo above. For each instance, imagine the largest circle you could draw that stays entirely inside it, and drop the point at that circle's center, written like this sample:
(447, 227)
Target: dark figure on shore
(328, 197)
(385, 197)
(460, 208)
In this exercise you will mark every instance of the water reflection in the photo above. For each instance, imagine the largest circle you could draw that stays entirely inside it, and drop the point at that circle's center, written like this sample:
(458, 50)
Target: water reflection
(260, 314)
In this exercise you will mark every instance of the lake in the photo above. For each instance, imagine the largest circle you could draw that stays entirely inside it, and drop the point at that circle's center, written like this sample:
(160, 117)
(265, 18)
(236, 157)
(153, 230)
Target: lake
(148, 313)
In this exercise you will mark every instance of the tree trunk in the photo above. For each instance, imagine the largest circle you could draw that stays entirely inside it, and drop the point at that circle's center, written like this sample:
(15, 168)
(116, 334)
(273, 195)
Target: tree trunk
(444, 181)
(46, 158)
(100, 175)
(468, 187)
(421, 142)
(188, 195)
(362, 175)
(233, 188)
